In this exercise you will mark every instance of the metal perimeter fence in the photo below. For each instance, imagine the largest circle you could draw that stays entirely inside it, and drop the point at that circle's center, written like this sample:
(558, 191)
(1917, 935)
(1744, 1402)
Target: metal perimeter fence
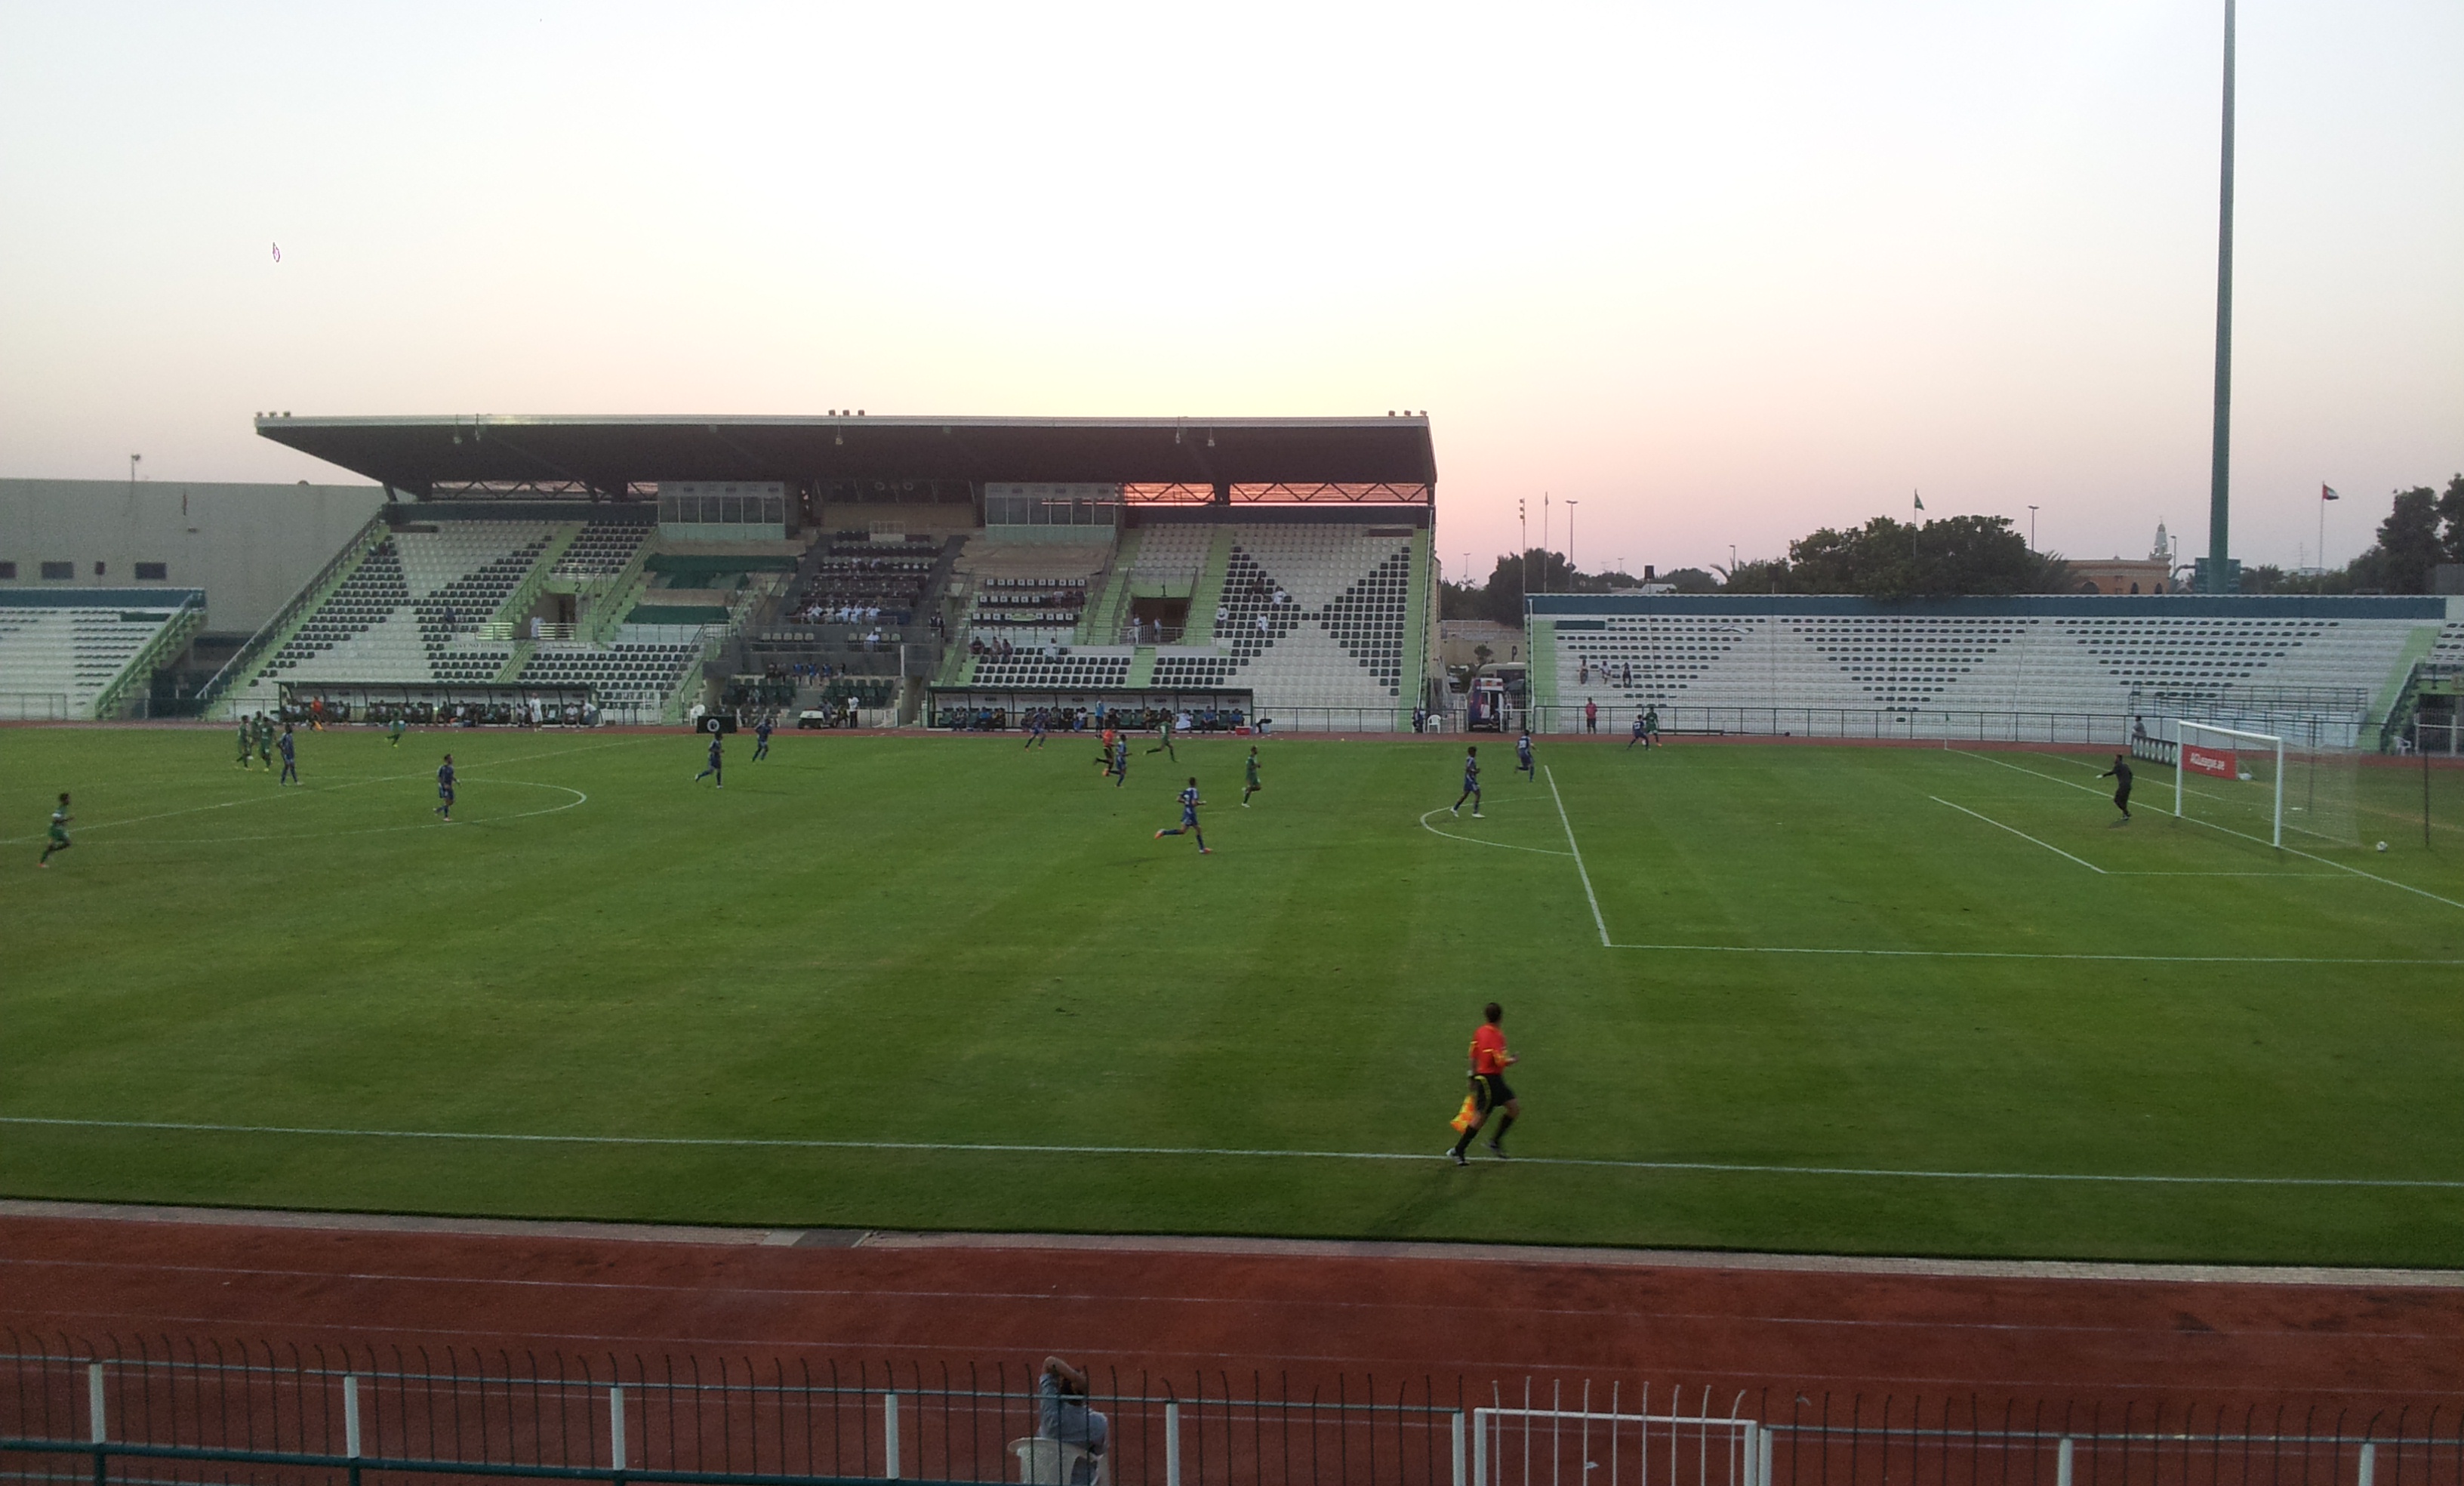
(161, 1412)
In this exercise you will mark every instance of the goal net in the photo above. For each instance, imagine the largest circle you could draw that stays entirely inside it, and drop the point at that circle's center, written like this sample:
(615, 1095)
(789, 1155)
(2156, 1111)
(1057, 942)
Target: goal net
(2280, 789)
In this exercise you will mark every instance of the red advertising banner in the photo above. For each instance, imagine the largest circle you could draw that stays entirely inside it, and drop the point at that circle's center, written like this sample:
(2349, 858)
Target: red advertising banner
(2222, 762)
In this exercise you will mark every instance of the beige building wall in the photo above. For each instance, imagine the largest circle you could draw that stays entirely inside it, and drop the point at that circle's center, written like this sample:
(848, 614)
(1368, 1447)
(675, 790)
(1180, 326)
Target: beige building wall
(249, 547)
(2123, 575)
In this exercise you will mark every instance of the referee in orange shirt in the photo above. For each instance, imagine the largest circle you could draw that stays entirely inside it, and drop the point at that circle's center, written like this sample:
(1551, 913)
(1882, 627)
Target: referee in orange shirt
(1489, 1061)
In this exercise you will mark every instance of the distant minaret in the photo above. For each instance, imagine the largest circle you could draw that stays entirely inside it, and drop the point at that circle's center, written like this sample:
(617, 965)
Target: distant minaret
(2220, 457)
(2164, 552)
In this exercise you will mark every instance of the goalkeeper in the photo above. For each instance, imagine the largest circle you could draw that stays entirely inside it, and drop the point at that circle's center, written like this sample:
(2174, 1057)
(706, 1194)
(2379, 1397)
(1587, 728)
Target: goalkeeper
(2119, 774)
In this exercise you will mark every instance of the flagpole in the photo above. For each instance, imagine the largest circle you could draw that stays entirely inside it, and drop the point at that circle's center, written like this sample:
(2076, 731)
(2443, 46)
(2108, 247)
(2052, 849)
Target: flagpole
(2322, 539)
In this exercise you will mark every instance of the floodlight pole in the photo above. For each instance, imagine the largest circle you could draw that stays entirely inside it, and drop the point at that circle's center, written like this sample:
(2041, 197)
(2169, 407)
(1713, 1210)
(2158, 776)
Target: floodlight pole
(2031, 528)
(2221, 453)
(1570, 543)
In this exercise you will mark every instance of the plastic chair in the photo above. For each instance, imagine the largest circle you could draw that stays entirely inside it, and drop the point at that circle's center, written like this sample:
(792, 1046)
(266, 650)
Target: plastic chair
(1049, 1462)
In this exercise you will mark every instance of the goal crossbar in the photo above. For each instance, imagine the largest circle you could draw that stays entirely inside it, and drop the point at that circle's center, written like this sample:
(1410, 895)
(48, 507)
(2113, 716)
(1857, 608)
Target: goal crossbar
(2183, 765)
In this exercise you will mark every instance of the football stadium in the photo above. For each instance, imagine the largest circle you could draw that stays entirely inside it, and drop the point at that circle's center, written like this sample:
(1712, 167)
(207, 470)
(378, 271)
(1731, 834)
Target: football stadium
(1082, 944)
(810, 874)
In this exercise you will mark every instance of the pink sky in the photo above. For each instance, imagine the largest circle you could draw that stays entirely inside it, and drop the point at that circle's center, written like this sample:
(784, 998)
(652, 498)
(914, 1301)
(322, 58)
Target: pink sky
(1723, 273)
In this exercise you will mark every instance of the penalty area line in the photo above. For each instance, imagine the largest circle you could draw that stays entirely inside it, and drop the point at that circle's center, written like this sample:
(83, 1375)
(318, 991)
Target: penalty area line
(2323, 861)
(2023, 954)
(1723, 1168)
(1576, 852)
(2021, 834)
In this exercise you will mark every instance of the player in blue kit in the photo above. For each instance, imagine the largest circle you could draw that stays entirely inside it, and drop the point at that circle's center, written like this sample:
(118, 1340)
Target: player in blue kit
(444, 789)
(1120, 761)
(761, 739)
(1637, 737)
(713, 772)
(1471, 783)
(1035, 722)
(1523, 756)
(289, 758)
(1189, 802)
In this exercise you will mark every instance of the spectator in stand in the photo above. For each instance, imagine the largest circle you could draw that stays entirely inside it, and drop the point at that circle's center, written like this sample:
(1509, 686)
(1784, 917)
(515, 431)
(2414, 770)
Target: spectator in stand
(1591, 716)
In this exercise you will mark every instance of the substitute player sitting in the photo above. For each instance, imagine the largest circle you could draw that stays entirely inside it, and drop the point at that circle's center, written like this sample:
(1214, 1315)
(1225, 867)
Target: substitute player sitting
(1489, 1061)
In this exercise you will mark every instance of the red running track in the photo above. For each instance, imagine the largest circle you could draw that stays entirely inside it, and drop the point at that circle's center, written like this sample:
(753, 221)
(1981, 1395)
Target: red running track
(1176, 1306)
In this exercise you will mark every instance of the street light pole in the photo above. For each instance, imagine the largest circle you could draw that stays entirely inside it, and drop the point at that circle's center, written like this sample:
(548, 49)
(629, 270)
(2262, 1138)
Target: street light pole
(1522, 523)
(1570, 540)
(2031, 528)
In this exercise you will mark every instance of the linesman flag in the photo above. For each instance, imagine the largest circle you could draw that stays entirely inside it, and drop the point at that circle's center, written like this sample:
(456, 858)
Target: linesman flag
(2328, 493)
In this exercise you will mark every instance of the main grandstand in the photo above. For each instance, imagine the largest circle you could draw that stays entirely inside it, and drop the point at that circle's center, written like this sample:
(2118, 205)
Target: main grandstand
(959, 572)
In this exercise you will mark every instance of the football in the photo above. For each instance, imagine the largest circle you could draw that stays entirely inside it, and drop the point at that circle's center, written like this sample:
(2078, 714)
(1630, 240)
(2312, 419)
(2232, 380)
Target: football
(2383, 846)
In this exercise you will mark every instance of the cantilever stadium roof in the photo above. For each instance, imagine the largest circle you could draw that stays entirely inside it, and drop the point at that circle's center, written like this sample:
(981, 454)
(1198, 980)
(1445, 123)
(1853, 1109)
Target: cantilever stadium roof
(610, 455)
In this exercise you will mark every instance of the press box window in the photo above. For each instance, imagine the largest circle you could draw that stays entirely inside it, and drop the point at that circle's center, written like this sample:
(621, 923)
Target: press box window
(8, 572)
(60, 572)
(153, 572)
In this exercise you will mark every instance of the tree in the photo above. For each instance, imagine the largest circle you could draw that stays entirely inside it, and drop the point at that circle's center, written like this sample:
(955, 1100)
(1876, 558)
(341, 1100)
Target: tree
(2410, 545)
(2450, 515)
(1762, 575)
(1691, 580)
(1889, 559)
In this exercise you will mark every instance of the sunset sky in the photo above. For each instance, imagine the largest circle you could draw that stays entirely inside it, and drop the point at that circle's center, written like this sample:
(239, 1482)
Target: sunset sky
(1721, 273)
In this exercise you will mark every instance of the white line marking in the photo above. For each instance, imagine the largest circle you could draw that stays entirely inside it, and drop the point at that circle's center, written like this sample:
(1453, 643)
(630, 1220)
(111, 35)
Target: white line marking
(280, 793)
(1232, 1152)
(2021, 834)
(579, 800)
(1545, 851)
(2323, 861)
(1576, 852)
(2320, 876)
(2021, 954)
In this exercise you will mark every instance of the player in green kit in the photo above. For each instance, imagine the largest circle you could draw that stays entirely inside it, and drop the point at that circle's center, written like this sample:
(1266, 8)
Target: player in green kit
(59, 832)
(265, 741)
(247, 735)
(393, 734)
(1249, 784)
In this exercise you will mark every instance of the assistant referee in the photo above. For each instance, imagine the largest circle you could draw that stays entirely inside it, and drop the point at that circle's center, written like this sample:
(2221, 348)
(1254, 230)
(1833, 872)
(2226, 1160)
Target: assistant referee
(1489, 1061)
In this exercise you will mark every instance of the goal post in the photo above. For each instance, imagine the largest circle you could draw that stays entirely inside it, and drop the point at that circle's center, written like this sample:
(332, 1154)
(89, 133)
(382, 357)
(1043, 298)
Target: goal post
(2266, 786)
(2215, 752)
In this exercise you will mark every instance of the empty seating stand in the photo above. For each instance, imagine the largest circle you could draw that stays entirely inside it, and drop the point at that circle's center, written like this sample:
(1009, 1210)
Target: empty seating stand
(62, 652)
(602, 549)
(635, 671)
(408, 613)
(2066, 654)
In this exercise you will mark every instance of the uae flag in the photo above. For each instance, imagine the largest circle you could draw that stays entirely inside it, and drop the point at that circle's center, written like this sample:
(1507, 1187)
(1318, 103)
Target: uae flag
(2328, 493)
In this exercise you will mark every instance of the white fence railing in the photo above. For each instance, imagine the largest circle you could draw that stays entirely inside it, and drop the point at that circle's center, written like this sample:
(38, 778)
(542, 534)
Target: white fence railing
(1606, 1446)
(35, 706)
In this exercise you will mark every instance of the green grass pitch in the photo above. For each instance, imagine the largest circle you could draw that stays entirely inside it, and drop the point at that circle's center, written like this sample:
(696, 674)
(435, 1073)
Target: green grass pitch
(919, 967)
